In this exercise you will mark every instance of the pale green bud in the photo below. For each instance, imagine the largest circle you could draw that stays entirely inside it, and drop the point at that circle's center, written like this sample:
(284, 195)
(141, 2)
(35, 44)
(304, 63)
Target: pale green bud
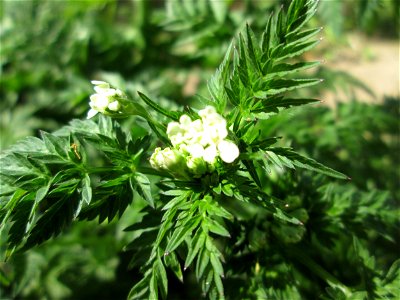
(167, 159)
(114, 106)
(196, 165)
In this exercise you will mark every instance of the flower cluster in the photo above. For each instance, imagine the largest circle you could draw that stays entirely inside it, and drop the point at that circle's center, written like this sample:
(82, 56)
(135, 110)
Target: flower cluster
(106, 100)
(197, 144)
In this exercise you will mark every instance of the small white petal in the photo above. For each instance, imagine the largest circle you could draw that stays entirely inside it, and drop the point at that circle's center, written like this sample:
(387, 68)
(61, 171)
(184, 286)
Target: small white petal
(228, 151)
(208, 110)
(174, 128)
(99, 83)
(114, 106)
(195, 150)
(185, 120)
(99, 102)
(91, 113)
(210, 153)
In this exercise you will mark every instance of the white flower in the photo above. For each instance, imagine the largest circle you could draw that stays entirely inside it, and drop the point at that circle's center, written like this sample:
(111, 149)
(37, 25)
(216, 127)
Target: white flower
(99, 102)
(104, 98)
(228, 151)
(196, 145)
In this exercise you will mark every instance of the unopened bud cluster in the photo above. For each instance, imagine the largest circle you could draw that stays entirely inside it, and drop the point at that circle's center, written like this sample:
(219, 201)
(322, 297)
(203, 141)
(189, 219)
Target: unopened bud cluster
(106, 100)
(197, 145)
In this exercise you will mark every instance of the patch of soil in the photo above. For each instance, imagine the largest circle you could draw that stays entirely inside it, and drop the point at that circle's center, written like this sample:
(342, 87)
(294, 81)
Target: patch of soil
(375, 62)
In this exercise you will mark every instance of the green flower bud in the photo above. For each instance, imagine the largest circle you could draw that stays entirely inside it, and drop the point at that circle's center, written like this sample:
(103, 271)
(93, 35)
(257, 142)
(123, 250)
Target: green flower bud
(197, 166)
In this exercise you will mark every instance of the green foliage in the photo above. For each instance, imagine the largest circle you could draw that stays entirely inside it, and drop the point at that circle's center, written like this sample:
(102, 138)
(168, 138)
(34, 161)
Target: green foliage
(48, 182)
(255, 227)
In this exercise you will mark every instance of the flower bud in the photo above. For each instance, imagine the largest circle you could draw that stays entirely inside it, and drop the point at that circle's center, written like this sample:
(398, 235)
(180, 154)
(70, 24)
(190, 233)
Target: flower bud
(167, 159)
(196, 165)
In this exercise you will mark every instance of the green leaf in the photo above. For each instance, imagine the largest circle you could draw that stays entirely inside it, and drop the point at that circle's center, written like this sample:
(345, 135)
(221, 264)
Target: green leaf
(153, 286)
(217, 228)
(172, 262)
(202, 262)
(219, 285)
(252, 49)
(284, 85)
(140, 289)
(161, 276)
(253, 172)
(53, 220)
(196, 244)
(55, 145)
(219, 9)
(216, 85)
(273, 104)
(86, 189)
(307, 163)
(20, 220)
(393, 273)
(172, 115)
(284, 69)
(141, 184)
(242, 63)
(216, 263)
(182, 232)
(295, 49)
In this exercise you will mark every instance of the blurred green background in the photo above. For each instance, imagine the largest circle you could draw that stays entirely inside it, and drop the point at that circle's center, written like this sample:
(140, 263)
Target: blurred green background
(50, 50)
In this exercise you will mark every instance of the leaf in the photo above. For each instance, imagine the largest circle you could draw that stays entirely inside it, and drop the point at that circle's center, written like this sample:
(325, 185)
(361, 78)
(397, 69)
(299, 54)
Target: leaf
(55, 145)
(196, 244)
(216, 263)
(202, 262)
(161, 276)
(86, 189)
(153, 286)
(180, 234)
(284, 85)
(219, 9)
(307, 163)
(242, 63)
(272, 104)
(53, 221)
(172, 115)
(140, 289)
(284, 69)
(252, 170)
(219, 285)
(172, 262)
(141, 184)
(252, 49)
(217, 228)
(20, 220)
(217, 84)
(393, 273)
